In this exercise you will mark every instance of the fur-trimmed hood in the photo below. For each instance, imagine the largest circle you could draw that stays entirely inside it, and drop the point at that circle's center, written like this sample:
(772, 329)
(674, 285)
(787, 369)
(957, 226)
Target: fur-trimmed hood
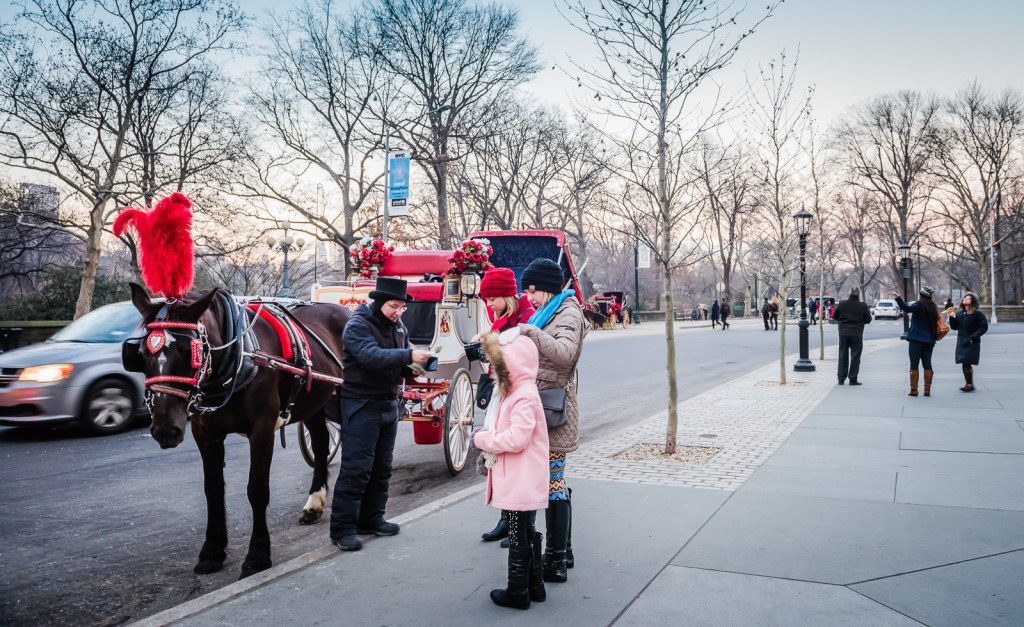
(513, 358)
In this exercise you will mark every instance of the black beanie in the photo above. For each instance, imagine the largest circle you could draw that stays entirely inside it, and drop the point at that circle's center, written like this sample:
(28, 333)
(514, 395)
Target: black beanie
(543, 275)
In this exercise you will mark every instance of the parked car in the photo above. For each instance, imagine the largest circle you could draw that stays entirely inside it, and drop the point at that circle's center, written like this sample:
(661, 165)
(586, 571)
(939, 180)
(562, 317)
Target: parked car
(76, 375)
(886, 308)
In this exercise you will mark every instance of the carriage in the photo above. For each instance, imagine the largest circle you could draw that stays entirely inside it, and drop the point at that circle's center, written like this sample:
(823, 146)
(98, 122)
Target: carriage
(443, 314)
(611, 309)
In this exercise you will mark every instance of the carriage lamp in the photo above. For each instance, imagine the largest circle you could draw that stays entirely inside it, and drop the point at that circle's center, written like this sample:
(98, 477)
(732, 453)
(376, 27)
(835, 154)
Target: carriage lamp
(46, 374)
(470, 284)
(803, 226)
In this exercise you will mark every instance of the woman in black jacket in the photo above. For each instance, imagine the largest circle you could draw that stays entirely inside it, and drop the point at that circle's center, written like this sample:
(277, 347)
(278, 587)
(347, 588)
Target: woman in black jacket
(970, 325)
(921, 336)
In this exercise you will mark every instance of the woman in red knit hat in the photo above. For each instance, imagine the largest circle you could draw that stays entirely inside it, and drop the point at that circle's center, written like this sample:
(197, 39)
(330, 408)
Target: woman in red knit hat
(506, 308)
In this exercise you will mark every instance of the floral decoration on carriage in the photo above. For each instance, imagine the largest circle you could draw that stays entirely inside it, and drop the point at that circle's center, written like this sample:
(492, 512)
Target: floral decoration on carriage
(368, 256)
(473, 255)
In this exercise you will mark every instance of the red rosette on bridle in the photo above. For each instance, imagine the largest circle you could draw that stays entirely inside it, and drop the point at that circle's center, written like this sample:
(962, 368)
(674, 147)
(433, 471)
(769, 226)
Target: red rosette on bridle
(164, 234)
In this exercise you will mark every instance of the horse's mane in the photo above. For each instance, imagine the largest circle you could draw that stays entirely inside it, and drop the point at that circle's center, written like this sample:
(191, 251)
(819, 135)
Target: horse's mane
(190, 297)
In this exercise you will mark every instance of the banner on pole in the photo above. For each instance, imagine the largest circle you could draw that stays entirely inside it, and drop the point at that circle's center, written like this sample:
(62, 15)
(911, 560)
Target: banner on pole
(398, 183)
(643, 256)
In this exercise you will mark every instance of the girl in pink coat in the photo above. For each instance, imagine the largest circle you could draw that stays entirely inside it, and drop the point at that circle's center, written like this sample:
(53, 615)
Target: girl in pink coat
(515, 443)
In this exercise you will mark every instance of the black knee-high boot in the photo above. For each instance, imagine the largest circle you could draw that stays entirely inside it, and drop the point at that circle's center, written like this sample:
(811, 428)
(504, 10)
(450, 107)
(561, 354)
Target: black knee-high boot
(520, 555)
(570, 561)
(537, 591)
(557, 518)
(500, 530)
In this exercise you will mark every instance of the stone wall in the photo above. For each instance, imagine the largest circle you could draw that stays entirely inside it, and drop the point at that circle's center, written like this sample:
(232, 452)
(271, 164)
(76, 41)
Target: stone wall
(15, 333)
(1007, 313)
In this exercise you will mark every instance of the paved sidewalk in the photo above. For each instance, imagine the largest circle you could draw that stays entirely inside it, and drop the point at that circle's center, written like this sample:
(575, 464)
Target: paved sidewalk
(825, 506)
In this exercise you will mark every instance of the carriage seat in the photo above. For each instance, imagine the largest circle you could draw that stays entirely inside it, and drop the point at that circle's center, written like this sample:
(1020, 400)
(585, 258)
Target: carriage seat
(430, 292)
(413, 264)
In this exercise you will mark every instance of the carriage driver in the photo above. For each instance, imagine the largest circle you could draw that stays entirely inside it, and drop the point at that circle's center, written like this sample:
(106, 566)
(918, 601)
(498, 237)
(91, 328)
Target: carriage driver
(376, 358)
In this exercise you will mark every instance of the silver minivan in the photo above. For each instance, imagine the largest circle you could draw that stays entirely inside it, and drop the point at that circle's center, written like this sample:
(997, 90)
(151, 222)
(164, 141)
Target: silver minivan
(76, 375)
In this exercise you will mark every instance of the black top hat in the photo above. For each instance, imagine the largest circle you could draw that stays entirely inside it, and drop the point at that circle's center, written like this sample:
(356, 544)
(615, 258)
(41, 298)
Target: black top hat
(390, 289)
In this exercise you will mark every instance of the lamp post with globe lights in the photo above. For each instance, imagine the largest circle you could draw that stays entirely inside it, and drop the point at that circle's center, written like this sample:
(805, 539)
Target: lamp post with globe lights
(908, 272)
(285, 244)
(803, 225)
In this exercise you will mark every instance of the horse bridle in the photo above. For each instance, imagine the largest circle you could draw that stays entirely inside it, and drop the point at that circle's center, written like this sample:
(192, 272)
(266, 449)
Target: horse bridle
(199, 342)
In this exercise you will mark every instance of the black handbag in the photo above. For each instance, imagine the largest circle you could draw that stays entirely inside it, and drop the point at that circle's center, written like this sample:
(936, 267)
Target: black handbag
(553, 401)
(484, 390)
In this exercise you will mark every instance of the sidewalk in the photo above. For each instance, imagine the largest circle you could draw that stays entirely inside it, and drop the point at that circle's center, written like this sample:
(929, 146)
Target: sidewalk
(825, 506)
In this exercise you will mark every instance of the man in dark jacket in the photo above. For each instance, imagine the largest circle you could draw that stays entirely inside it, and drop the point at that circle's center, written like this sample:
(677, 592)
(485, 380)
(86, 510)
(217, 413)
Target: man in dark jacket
(851, 315)
(766, 312)
(376, 358)
(714, 313)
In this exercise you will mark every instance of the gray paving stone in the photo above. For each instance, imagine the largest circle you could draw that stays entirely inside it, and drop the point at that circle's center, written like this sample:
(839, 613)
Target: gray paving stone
(857, 438)
(687, 596)
(996, 437)
(858, 485)
(985, 591)
(844, 541)
(982, 481)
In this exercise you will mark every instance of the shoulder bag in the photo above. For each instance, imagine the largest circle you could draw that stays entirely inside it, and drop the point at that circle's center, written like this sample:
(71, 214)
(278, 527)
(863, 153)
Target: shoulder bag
(941, 329)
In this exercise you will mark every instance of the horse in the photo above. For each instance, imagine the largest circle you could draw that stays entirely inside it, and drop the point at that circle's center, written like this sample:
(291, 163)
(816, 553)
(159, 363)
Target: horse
(190, 359)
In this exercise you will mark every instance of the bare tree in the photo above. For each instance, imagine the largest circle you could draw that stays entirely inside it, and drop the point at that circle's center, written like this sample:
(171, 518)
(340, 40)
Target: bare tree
(979, 148)
(73, 75)
(321, 96)
(653, 55)
(780, 123)
(887, 144)
(455, 61)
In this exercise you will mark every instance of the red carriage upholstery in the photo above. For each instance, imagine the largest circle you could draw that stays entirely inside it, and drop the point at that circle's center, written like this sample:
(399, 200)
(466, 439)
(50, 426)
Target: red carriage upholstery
(426, 291)
(404, 263)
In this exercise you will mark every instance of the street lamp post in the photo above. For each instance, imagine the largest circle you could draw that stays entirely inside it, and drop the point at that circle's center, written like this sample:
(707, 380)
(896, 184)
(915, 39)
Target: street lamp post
(803, 225)
(908, 272)
(286, 243)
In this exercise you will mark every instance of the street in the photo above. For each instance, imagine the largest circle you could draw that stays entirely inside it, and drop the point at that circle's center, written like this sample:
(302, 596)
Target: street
(101, 531)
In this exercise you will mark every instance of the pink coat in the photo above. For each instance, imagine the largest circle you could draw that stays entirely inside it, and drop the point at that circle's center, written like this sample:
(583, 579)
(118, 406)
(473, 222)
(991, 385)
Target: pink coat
(518, 481)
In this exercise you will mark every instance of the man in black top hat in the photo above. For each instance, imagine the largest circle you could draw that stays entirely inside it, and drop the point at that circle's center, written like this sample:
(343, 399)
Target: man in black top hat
(851, 315)
(376, 357)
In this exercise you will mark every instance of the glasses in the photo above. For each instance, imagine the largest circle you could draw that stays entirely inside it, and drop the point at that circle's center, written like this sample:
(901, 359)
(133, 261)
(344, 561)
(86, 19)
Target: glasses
(398, 308)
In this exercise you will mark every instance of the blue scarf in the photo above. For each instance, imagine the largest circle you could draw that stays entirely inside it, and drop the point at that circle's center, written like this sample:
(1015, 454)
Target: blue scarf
(543, 315)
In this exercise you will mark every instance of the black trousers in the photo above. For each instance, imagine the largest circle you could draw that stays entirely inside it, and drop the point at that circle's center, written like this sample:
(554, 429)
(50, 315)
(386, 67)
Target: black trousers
(920, 353)
(368, 430)
(766, 326)
(850, 349)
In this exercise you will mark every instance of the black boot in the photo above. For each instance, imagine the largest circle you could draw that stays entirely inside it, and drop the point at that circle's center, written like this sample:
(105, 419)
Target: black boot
(500, 530)
(570, 561)
(557, 518)
(537, 591)
(520, 555)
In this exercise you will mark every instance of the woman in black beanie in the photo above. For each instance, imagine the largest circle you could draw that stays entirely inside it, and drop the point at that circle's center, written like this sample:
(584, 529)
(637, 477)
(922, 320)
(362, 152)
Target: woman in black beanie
(921, 336)
(557, 328)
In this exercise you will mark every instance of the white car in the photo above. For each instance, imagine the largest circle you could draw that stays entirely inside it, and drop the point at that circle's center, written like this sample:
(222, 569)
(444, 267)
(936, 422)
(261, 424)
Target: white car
(887, 309)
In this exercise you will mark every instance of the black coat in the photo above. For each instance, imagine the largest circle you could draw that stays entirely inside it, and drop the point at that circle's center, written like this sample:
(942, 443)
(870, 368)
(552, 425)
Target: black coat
(376, 355)
(969, 329)
(852, 315)
(714, 311)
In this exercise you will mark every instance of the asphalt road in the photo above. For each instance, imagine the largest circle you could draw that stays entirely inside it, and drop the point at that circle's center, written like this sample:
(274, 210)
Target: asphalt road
(100, 531)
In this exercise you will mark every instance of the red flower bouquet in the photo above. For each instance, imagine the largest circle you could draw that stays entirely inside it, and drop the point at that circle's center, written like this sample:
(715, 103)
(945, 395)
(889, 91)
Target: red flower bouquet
(471, 256)
(369, 255)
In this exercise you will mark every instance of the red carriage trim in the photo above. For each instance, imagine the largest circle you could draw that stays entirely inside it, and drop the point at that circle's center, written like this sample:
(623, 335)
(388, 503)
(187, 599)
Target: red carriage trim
(170, 379)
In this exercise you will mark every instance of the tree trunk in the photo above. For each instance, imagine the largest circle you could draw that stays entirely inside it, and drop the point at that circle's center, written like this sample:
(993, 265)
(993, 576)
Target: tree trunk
(444, 233)
(93, 241)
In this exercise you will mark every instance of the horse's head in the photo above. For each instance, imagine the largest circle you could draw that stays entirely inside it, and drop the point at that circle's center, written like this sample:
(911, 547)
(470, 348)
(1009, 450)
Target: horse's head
(176, 357)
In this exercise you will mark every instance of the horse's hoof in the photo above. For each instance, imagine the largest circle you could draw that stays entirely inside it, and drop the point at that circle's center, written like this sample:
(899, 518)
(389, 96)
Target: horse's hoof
(205, 567)
(251, 568)
(310, 516)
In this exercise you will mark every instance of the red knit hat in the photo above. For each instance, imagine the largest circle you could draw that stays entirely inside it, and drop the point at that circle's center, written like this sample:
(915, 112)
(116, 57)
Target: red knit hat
(498, 282)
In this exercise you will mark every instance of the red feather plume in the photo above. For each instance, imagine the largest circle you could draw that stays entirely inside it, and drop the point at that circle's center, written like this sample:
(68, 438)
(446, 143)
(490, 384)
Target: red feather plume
(165, 243)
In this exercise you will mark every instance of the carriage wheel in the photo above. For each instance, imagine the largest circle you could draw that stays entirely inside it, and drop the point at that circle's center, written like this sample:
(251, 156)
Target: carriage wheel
(458, 421)
(306, 444)
(625, 320)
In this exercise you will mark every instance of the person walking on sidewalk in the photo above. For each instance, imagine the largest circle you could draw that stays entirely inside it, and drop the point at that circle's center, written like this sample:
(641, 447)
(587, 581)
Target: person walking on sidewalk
(715, 312)
(970, 324)
(557, 328)
(375, 359)
(766, 312)
(506, 309)
(725, 314)
(514, 441)
(851, 315)
(922, 336)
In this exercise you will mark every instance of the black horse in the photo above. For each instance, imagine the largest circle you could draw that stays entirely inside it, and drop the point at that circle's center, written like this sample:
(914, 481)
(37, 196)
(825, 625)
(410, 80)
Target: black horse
(204, 360)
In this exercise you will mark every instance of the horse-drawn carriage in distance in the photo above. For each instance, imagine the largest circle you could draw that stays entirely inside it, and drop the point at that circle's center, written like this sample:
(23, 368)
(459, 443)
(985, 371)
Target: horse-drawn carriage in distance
(443, 314)
(608, 310)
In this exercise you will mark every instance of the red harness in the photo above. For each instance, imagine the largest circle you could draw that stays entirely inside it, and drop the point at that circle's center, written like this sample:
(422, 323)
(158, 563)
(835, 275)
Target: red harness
(157, 339)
